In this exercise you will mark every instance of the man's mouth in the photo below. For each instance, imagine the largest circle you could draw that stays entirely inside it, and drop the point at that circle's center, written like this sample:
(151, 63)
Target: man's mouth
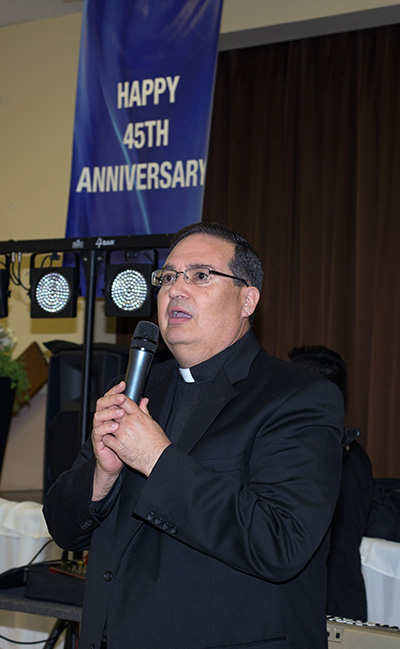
(177, 314)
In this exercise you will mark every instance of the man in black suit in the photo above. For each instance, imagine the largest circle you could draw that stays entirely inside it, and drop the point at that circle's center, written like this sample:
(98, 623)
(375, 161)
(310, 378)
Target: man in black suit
(206, 509)
(346, 589)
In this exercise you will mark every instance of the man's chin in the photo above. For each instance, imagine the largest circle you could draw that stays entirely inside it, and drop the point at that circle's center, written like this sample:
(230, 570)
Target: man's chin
(176, 340)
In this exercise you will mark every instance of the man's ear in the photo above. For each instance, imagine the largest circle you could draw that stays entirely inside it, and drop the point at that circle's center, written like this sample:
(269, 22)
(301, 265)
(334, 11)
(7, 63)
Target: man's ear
(252, 296)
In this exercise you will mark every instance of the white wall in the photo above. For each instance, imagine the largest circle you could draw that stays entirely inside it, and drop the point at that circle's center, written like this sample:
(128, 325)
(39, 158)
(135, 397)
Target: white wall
(38, 76)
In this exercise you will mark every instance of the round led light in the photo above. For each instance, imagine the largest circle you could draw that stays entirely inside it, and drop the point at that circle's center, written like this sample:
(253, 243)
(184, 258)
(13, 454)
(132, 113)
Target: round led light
(129, 290)
(52, 292)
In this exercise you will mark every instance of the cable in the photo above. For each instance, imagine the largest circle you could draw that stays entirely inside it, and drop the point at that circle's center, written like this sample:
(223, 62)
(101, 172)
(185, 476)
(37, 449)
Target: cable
(50, 639)
(39, 551)
(3, 637)
(15, 275)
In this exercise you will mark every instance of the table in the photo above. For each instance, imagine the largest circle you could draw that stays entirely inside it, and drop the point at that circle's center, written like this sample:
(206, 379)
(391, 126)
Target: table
(380, 561)
(13, 599)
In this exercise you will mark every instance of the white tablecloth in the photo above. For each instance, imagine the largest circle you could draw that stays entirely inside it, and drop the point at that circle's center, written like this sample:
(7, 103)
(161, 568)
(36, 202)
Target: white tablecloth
(23, 532)
(381, 569)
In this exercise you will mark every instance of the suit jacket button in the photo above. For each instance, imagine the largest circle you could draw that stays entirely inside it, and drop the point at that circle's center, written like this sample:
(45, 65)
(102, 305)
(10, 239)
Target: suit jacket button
(150, 516)
(173, 530)
(157, 521)
(107, 575)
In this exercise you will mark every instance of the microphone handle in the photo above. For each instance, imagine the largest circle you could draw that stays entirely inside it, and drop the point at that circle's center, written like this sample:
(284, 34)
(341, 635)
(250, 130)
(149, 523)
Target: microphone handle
(136, 373)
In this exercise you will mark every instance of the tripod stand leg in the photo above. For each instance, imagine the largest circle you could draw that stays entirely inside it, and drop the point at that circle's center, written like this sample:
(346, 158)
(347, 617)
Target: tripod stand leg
(71, 636)
(55, 633)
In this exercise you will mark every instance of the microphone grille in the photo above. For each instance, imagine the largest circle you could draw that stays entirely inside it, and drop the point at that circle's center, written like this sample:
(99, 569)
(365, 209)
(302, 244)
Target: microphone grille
(145, 336)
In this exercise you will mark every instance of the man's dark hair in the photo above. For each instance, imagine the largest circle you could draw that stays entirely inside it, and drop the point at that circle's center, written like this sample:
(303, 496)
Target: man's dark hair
(323, 361)
(245, 263)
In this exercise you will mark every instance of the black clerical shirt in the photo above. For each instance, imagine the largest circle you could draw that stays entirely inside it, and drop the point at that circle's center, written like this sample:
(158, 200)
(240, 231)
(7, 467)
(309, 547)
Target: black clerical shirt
(191, 385)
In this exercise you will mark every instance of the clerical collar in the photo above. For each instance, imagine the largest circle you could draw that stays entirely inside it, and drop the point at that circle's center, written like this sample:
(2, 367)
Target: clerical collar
(186, 374)
(206, 370)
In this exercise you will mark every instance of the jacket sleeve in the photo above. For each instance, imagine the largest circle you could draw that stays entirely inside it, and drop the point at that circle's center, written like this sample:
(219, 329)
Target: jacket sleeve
(71, 518)
(272, 523)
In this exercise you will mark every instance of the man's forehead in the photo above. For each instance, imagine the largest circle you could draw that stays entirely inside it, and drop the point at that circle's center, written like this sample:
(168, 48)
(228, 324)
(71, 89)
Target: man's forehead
(201, 249)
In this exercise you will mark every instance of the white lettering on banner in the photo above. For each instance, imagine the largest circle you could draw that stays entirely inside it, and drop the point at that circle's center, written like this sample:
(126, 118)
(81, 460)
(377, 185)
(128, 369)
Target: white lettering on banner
(140, 93)
(142, 176)
(154, 132)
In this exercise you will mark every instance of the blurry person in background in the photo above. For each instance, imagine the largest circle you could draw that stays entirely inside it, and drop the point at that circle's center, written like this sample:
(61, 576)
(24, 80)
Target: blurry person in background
(346, 588)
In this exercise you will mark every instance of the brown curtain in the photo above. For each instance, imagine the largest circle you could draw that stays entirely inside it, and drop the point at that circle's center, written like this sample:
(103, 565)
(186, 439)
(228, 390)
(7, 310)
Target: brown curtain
(304, 161)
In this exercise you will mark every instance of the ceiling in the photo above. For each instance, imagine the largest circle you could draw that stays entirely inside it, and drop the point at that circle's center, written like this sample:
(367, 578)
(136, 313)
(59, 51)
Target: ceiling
(21, 11)
(386, 12)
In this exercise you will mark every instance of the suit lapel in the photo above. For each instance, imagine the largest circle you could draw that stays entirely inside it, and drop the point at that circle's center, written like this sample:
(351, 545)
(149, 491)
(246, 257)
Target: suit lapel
(220, 391)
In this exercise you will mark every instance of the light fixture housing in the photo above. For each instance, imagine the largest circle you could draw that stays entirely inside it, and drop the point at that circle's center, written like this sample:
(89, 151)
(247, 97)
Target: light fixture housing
(4, 292)
(128, 290)
(54, 291)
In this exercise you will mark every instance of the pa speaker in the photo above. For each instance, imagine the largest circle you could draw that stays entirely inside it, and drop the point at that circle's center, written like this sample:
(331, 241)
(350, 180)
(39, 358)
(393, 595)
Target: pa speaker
(62, 426)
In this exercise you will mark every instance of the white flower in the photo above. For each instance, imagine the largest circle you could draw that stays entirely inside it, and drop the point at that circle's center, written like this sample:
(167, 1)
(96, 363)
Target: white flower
(7, 339)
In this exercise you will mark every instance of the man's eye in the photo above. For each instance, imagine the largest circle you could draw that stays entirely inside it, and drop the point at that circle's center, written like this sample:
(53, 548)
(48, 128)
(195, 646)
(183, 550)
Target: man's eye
(201, 276)
(168, 278)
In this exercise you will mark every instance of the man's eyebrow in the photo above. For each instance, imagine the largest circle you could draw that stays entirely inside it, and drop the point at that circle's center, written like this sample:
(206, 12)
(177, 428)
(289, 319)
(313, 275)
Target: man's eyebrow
(200, 266)
(171, 266)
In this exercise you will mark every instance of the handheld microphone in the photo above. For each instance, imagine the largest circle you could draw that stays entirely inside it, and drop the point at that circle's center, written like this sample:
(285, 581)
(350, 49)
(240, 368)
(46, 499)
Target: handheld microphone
(142, 349)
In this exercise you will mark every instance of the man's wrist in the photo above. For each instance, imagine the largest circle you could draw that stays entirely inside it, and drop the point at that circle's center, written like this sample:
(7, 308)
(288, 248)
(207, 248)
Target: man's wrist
(103, 482)
(153, 461)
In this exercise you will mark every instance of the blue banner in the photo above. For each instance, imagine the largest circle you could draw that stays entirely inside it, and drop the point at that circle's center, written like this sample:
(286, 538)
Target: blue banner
(143, 112)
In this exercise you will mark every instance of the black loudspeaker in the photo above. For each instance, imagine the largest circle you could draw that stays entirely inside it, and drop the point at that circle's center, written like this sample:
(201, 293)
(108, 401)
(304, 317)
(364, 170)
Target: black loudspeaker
(62, 426)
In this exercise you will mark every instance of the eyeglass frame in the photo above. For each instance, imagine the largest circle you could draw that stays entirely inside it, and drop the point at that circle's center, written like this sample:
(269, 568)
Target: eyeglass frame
(155, 282)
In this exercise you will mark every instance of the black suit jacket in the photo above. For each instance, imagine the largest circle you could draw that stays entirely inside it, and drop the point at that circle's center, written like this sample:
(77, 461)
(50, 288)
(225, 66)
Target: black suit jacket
(225, 544)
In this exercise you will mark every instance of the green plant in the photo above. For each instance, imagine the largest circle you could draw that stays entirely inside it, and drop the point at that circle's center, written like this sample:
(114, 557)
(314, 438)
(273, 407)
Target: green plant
(13, 368)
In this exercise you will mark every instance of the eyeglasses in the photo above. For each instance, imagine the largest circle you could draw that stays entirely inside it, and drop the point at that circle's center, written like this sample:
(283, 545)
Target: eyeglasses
(199, 276)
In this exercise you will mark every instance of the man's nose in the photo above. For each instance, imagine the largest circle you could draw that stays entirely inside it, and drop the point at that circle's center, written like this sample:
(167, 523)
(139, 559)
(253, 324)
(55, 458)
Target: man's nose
(180, 285)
